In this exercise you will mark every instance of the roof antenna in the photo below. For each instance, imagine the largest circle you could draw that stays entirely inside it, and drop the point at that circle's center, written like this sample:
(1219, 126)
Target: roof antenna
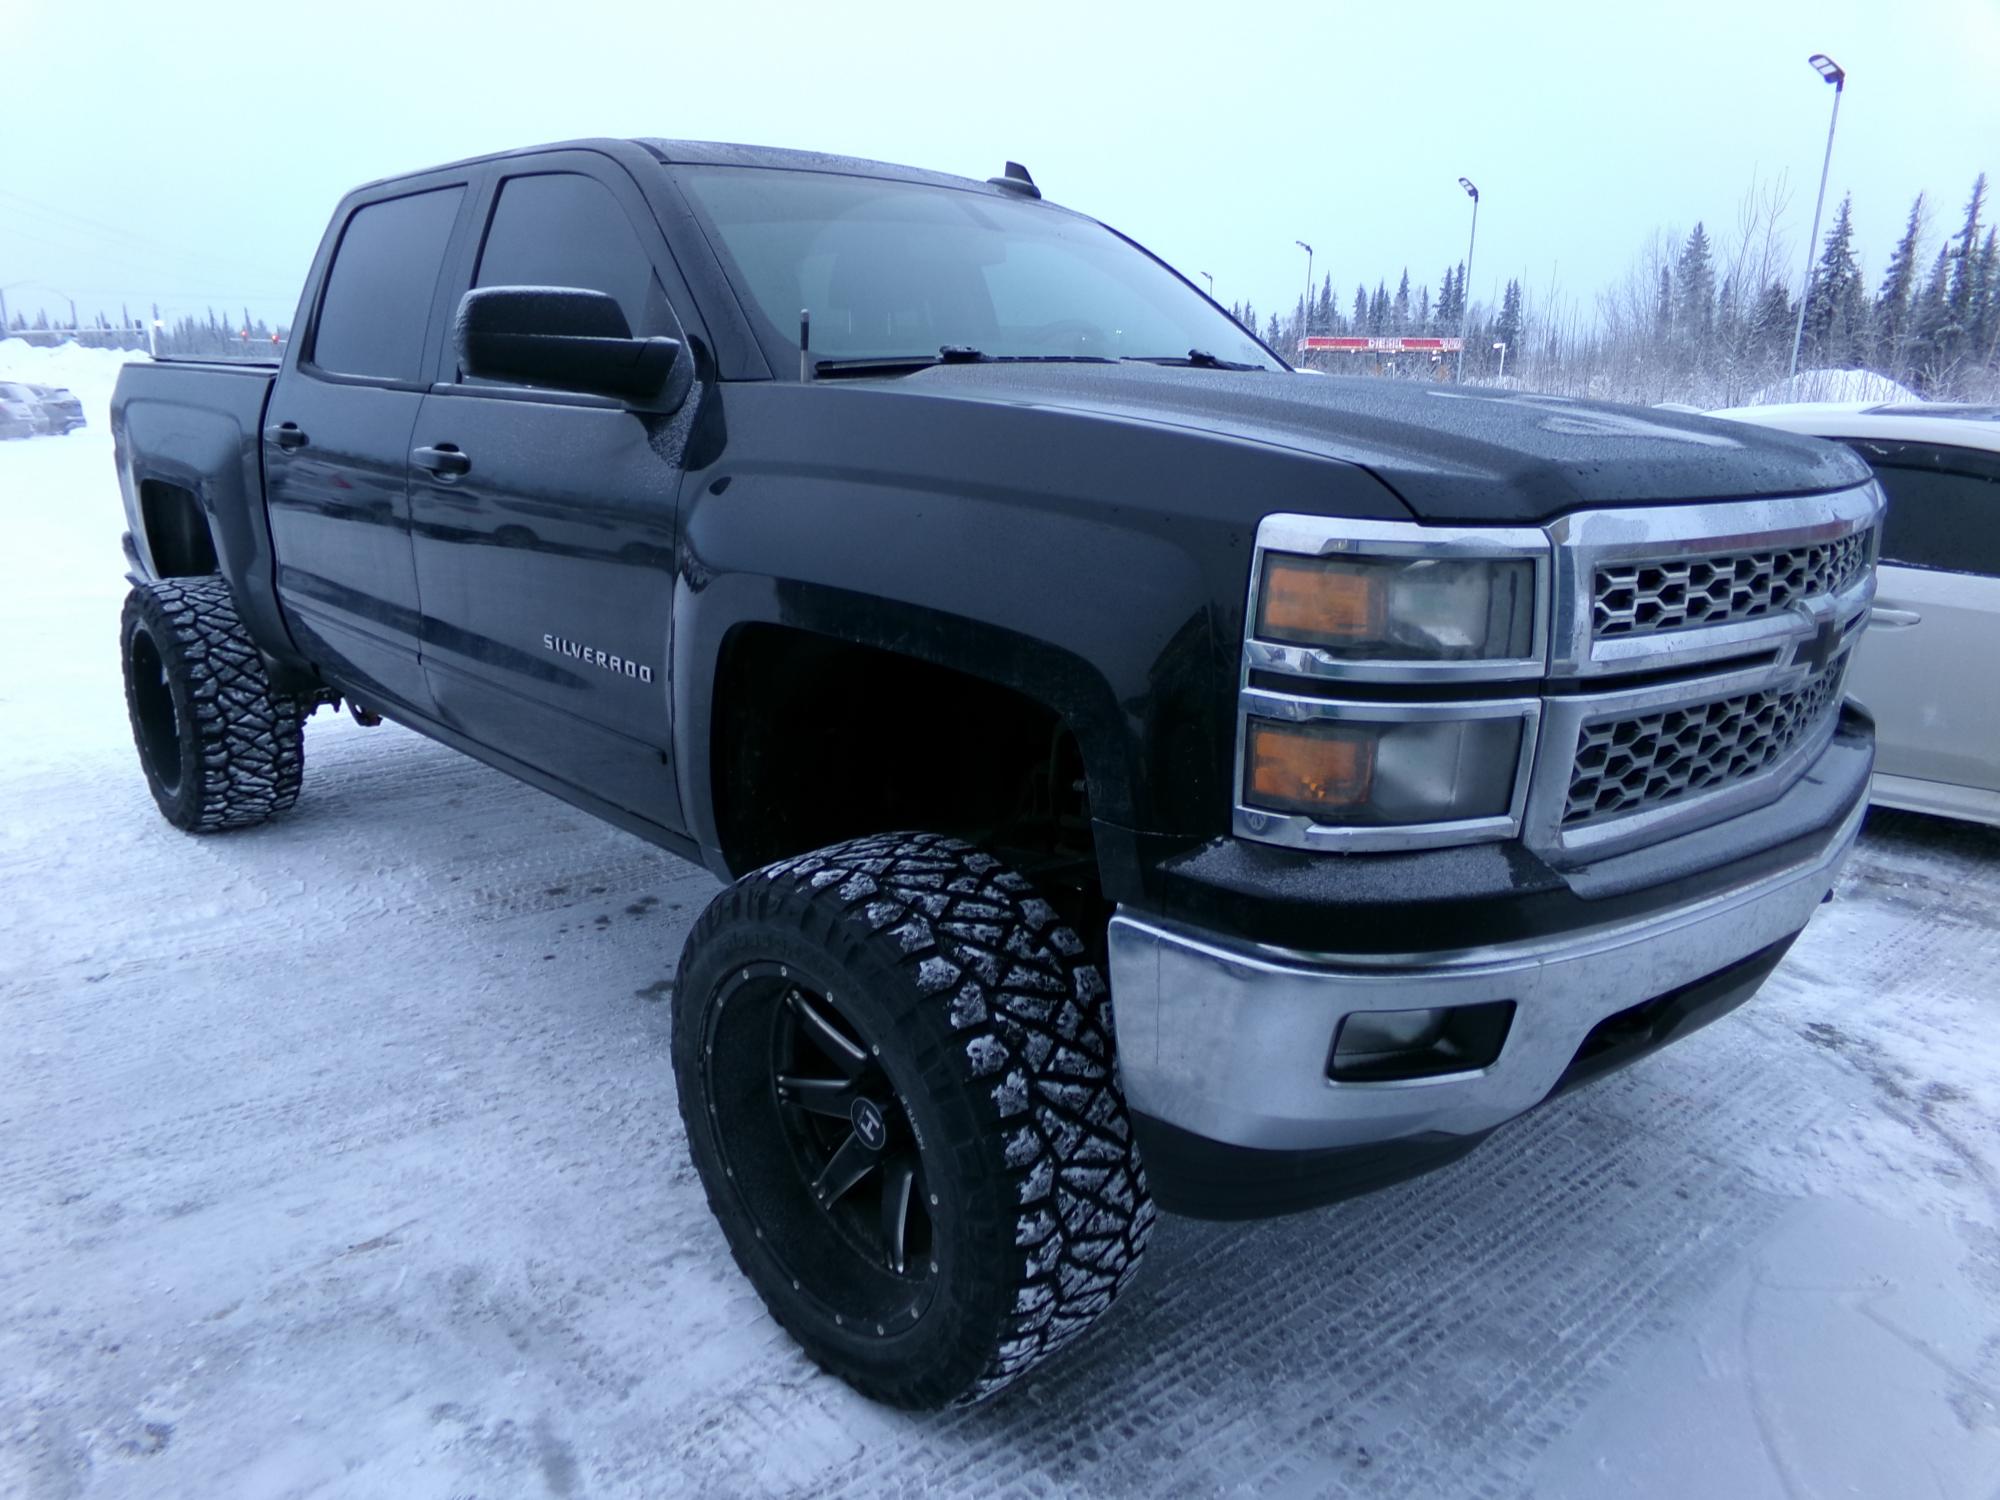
(805, 342)
(1017, 180)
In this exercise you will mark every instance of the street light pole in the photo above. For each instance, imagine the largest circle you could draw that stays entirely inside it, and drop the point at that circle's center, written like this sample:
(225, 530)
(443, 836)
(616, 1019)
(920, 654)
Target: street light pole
(1211, 284)
(1833, 73)
(1306, 307)
(1465, 288)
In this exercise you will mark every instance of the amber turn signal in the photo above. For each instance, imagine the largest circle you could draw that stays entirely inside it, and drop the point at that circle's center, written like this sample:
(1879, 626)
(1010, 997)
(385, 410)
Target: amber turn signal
(1310, 599)
(1299, 769)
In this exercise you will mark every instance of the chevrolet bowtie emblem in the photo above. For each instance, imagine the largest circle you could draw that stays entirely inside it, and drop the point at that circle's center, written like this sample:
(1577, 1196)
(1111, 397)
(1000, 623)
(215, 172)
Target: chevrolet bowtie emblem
(1819, 652)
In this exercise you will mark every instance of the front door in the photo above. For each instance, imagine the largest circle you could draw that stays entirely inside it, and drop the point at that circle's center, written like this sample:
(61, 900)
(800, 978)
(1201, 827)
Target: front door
(337, 450)
(545, 545)
(1925, 668)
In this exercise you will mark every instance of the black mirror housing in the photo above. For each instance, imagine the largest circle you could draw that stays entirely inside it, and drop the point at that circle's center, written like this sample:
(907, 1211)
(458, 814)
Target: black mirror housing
(563, 338)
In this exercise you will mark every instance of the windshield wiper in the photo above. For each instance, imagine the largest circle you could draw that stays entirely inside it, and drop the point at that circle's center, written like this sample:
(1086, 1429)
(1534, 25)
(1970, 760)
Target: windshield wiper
(1199, 359)
(948, 354)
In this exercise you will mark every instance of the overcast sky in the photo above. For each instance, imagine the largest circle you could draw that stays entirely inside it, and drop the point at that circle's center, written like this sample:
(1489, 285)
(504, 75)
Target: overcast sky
(190, 154)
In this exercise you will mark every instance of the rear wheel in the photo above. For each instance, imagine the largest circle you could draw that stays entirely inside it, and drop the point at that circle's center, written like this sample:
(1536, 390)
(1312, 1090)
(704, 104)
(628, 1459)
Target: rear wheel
(895, 1066)
(221, 748)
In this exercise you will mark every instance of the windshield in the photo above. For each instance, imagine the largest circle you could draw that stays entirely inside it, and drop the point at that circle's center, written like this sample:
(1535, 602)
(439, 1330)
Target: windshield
(900, 270)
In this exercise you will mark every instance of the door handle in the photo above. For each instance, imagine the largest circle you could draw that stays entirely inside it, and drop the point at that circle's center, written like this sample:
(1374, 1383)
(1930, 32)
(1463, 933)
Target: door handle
(443, 460)
(1886, 617)
(285, 435)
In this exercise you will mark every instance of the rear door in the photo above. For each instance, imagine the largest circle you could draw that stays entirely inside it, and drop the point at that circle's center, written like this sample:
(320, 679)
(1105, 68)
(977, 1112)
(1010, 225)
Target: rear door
(337, 443)
(547, 566)
(1929, 666)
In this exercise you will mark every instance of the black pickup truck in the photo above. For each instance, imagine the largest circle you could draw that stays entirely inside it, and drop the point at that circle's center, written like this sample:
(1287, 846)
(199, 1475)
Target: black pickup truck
(1122, 749)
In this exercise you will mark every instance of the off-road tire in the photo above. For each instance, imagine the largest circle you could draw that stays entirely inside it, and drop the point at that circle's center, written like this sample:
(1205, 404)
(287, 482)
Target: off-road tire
(994, 1026)
(221, 747)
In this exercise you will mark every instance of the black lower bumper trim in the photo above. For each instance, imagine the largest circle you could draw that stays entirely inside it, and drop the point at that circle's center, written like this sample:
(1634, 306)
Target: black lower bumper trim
(1630, 1034)
(1204, 1179)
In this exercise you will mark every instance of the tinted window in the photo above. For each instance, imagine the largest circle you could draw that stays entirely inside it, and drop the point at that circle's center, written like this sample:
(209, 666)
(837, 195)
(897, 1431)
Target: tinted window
(1944, 506)
(899, 269)
(561, 229)
(378, 294)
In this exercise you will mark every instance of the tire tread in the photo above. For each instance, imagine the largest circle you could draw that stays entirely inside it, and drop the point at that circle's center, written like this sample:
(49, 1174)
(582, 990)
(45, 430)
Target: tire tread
(1030, 1041)
(248, 757)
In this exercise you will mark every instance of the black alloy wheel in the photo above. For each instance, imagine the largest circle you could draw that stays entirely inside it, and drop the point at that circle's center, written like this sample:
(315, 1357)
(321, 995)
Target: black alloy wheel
(820, 1148)
(895, 1065)
(155, 721)
(850, 1131)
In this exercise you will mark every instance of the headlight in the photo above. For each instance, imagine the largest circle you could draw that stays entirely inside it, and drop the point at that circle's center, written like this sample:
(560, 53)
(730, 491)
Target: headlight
(1400, 609)
(1363, 773)
(1357, 726)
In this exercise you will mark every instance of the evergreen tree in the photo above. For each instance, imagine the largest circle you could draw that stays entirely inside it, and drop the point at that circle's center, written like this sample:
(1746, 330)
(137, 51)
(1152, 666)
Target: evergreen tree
(1932, 319)
(1323, 314)
(1400, 313)
(1986, 294)
(1731, 354)
(1423, 309)
(1360, 308)
(1895, 303)
(1962, 299)
(1508, 328)
(1835, 329)
(1271, 334)
(1378, 309)
(1694, 294)
(1768, 335)
(1663, 305)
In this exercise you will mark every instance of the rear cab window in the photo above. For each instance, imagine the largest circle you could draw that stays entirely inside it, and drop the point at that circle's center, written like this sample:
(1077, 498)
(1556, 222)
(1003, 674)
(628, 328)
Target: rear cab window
(374, 313)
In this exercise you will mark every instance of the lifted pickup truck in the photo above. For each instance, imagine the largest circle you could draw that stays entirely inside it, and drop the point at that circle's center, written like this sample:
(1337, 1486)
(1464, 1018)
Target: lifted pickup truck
(1022, 640)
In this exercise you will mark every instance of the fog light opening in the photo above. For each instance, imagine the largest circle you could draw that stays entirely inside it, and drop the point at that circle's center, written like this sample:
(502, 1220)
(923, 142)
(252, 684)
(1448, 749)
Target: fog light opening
(1389, 1046)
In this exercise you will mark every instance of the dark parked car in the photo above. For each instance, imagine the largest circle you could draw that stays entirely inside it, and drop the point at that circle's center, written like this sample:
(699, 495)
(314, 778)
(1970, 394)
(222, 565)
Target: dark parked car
(1140, 776)
(21, 413)
(62, 410)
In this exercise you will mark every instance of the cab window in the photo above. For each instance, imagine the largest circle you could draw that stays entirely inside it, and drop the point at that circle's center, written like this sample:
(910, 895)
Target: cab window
(565, 229)
(377, 305)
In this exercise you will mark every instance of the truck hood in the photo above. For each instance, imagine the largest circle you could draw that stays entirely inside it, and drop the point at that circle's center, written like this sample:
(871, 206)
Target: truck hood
(1450, 453)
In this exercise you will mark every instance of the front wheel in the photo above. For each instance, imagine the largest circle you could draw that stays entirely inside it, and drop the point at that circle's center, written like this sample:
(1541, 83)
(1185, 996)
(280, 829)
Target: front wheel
(895, 1066)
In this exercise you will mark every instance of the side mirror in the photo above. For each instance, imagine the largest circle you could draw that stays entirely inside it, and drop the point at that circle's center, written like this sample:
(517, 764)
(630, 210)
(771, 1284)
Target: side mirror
(564, 338)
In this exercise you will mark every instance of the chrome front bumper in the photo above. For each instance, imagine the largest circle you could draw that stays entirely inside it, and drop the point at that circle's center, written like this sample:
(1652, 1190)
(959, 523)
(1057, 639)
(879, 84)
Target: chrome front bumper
(1232, 1042)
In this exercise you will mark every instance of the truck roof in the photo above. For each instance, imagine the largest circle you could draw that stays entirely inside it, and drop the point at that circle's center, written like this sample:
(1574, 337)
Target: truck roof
(714, 153)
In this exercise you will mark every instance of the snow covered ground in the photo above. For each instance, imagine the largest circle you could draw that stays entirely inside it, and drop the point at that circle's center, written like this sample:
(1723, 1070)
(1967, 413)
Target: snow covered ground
(339, 1158)
(1833, 385)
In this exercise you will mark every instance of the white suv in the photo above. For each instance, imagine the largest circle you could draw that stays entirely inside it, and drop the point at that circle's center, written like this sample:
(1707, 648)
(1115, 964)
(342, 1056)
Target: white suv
(1929, 666)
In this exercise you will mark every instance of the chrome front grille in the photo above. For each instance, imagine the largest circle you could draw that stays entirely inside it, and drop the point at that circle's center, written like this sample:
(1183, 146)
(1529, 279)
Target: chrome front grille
(1635, 598)
(1631, 764)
